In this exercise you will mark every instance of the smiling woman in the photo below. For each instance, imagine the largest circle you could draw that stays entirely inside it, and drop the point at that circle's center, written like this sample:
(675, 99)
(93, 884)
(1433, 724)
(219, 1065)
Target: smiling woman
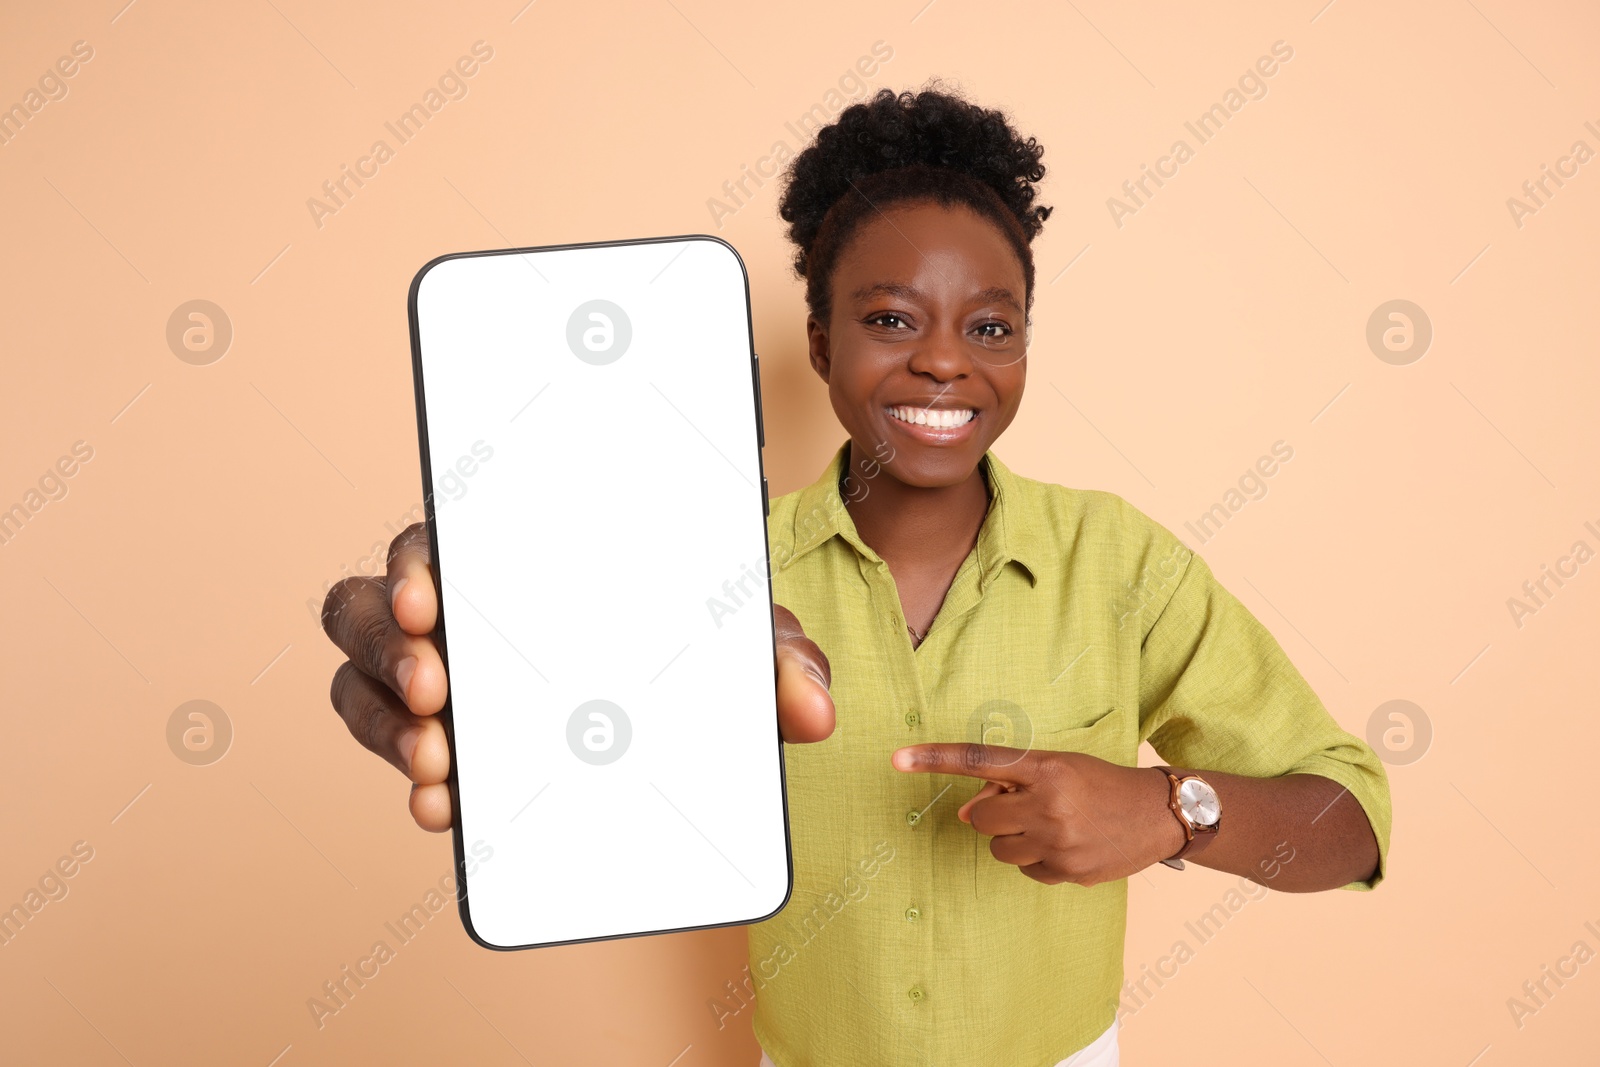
(913, 217)
(967, 659)
(939, 584)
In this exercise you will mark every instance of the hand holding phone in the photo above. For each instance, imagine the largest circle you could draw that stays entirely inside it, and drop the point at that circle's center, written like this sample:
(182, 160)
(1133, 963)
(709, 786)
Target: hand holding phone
(562, 585)
(380, 623)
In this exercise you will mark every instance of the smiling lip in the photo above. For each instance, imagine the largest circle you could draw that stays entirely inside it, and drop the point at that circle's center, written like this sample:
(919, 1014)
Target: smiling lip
(933, 435)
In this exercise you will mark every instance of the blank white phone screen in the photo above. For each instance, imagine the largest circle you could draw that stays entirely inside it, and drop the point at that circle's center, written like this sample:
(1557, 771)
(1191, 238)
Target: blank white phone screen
(589, 424)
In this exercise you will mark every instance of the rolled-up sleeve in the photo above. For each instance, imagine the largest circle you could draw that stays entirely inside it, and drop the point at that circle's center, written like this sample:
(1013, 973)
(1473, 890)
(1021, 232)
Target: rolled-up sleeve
(1217, 692)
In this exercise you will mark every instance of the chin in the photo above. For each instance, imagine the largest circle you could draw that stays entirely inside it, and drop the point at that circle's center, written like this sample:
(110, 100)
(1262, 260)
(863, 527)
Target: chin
(935, 468)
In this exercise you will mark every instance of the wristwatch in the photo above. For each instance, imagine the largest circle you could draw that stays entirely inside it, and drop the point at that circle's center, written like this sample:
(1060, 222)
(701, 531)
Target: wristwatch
(1196, 806)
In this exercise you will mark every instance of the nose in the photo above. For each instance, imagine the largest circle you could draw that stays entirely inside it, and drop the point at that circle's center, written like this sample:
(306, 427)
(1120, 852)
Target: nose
(942, 354)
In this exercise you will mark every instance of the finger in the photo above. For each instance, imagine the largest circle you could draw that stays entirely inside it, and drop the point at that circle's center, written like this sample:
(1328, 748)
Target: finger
(1009, 766)
(805, 708)
(413, 744)
(1008, 813)
(1043, 872)
(1016, 849)
(413, 598)
(357, 617)
(989, 789)
(430, 807)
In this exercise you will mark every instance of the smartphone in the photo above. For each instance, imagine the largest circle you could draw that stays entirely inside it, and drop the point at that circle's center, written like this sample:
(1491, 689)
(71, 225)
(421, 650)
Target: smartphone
(589, 421)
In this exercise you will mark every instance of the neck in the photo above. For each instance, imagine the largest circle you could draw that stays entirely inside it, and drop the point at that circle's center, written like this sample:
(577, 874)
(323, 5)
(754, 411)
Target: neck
(909, 524)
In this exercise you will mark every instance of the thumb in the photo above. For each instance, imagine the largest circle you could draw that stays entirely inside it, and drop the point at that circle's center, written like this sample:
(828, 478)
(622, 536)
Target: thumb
(989, 789)
(806, 711)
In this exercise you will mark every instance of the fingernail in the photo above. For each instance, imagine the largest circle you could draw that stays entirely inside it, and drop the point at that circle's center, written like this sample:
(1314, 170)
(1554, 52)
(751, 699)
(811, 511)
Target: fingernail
(402, 673)
(394, 592)
(408, 746)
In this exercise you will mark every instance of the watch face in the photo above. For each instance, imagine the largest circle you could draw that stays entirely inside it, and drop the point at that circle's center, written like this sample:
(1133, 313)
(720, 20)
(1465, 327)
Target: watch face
(1199, 802)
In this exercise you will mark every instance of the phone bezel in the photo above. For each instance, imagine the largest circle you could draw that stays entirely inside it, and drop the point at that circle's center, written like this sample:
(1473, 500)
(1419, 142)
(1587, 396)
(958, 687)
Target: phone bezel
(446, 714)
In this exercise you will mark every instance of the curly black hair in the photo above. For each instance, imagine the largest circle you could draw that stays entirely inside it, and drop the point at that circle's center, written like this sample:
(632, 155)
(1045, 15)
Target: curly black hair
(923, 145)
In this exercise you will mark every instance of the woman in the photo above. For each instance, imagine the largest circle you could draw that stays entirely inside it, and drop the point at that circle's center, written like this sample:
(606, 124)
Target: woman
(967, 806)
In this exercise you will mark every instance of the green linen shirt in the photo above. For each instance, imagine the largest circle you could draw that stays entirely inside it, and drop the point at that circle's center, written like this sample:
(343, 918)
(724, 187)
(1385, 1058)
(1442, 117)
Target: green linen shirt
(1077, 623)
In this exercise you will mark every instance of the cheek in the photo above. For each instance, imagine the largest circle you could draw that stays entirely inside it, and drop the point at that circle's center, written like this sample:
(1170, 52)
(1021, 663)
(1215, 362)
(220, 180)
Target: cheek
(851, 388)
(1009, 390)
(1017, 380)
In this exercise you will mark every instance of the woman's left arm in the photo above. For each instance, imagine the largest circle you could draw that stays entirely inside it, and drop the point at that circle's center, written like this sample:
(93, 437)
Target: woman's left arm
(1305, 804)
(1071, 817)
(1298, 833)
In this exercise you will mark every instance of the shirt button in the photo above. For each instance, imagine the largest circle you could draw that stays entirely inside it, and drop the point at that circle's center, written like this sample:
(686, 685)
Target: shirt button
(915, 993)
(913, 817)
(913, 914)
(912, 718)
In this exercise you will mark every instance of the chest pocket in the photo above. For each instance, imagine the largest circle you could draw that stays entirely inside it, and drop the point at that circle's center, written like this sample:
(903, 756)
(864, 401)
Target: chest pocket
(1112, 736)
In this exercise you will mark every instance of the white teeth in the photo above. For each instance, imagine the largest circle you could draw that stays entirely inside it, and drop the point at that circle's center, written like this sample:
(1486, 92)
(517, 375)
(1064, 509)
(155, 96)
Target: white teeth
(938, 419)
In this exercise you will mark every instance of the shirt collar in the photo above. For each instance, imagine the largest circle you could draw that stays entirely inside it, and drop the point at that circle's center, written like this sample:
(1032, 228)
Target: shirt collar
(1011, 529)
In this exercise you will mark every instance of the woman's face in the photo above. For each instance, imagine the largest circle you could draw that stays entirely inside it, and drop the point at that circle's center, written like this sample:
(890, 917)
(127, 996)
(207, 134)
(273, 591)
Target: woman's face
(927, 321)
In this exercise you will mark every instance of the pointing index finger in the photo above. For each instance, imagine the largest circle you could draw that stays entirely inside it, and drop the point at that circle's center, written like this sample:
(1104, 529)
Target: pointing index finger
(994, 763)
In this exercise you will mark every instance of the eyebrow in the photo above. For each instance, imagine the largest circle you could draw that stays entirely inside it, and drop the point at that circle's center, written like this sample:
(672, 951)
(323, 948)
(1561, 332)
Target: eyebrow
(993, 294)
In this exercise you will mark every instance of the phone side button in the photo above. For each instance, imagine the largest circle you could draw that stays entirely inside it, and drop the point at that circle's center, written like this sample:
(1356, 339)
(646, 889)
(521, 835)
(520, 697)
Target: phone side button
(766, 501)
(761, 430)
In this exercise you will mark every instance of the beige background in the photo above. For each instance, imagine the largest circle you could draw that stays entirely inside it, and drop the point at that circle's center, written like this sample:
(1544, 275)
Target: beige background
(1227, 313)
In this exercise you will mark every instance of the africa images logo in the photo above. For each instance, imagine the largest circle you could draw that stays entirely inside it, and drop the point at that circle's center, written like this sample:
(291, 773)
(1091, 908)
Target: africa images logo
(599, 332)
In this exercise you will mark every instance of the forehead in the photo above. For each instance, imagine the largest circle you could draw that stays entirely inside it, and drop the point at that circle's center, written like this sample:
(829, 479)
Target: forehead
(937, 248)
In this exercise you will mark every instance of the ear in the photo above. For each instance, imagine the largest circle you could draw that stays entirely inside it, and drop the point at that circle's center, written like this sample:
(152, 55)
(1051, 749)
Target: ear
(817, 346)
